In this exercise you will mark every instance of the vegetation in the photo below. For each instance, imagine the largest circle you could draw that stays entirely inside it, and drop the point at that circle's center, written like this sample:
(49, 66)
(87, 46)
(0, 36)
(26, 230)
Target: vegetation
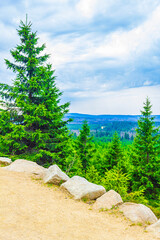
(33, 126)
(33, 119)
(83, 146)
(146, 160)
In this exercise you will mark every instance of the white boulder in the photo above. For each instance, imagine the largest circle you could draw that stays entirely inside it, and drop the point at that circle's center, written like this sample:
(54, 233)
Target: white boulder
(55, 175)
(108, 200)
(80, 188)
(22, 165)
(5, 161)
(138, 213)
(154, 228)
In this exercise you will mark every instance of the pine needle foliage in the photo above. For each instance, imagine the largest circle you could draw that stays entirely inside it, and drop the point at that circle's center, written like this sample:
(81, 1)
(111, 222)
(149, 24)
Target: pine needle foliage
(33, 102)
(146, 147)
(114, 153)
(84, 146)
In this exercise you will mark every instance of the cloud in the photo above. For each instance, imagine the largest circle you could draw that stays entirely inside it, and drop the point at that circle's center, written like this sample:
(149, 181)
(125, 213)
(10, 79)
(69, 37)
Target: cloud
(125, 45)
(89, 8)
(97, 47)
(128, 101)
(119, 46)
(8, 37)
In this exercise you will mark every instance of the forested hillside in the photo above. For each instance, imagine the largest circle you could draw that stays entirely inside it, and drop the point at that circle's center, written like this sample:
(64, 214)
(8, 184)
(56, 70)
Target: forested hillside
(103, 127)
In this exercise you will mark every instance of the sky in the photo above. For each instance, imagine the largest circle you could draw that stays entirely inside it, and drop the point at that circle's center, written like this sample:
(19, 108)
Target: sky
(106, 53)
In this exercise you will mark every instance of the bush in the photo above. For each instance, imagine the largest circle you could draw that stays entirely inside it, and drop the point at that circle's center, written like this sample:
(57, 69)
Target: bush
(92, 175)
(137, 197)
(117, 180)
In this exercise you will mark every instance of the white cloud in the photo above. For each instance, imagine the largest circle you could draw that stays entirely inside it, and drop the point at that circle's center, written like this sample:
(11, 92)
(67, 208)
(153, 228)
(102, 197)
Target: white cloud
(128, 101)
(119, 47)
(68, 48)
(88, 41)
(89, 8)
(128, 45)
(8, 36)
(115, 9)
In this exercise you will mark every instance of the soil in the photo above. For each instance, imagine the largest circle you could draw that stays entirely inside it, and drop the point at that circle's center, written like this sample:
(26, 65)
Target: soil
(31, 210)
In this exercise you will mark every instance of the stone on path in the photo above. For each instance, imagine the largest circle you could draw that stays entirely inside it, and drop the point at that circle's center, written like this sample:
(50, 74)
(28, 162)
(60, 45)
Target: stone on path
(154, 228)
(108, 200)
(5, 161)
(80, 188)
(22, 165)
(55, 175)
(138, 213)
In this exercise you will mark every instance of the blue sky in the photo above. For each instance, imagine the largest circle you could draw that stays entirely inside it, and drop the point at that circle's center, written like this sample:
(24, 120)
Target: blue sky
(106, 53)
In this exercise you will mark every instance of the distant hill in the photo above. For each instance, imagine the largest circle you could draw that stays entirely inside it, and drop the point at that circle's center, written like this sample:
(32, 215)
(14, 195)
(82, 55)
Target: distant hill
(104, 126)
(93, 119)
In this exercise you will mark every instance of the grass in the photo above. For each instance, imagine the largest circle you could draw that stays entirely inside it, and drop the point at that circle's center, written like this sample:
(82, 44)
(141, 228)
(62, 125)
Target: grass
(139, 224)
(90, 208)
(155, 209)
(85, 200)
(103, 210)
(3, 165)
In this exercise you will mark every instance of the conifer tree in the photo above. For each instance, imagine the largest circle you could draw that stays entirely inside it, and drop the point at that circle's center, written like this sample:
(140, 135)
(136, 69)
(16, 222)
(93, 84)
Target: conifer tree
(33, 102)
(83, 146)
(114, 153)
(146, 148)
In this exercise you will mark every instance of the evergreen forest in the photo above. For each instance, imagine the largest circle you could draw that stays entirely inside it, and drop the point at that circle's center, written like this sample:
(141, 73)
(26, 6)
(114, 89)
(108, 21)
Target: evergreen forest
(34, 125)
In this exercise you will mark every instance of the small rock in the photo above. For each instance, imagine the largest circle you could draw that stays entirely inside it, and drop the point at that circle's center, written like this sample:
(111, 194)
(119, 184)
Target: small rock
(5, 161)
(55, 175)
(108, 200)
(80, 188)
(138, 213)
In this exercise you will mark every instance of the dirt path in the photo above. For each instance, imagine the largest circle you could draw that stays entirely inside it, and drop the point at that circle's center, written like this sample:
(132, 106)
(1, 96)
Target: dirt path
(30, 210)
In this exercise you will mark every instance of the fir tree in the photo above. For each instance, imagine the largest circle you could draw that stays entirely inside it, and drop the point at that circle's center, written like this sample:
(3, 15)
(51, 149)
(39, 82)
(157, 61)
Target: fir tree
(84, 147)
(146, 149)
(92, 175)
(114, 153)
(33, 102)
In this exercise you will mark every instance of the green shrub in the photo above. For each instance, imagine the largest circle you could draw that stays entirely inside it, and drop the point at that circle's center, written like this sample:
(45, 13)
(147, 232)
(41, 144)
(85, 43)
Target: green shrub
(92, 175)
(137, 197)
(117, 180)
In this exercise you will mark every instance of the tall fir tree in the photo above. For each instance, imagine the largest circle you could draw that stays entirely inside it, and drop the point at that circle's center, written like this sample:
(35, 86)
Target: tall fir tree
(114, 153)
(84, 147)
(145, 159)
(33, 103)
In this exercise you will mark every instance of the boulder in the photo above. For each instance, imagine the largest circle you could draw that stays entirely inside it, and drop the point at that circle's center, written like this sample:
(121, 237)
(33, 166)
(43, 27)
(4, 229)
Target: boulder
(108, 200)
(5, 161)
(55, 175)
(80, 188)
(154, 228)
(138, 213)
(21, 165)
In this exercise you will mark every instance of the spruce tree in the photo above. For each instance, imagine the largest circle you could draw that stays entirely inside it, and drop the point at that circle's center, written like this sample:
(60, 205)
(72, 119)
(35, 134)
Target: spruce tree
(84, 147)
(33, 102)
(114, 153)
(146, 149)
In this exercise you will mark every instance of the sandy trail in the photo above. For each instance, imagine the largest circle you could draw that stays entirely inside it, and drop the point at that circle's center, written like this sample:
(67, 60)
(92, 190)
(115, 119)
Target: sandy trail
(30, 210)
